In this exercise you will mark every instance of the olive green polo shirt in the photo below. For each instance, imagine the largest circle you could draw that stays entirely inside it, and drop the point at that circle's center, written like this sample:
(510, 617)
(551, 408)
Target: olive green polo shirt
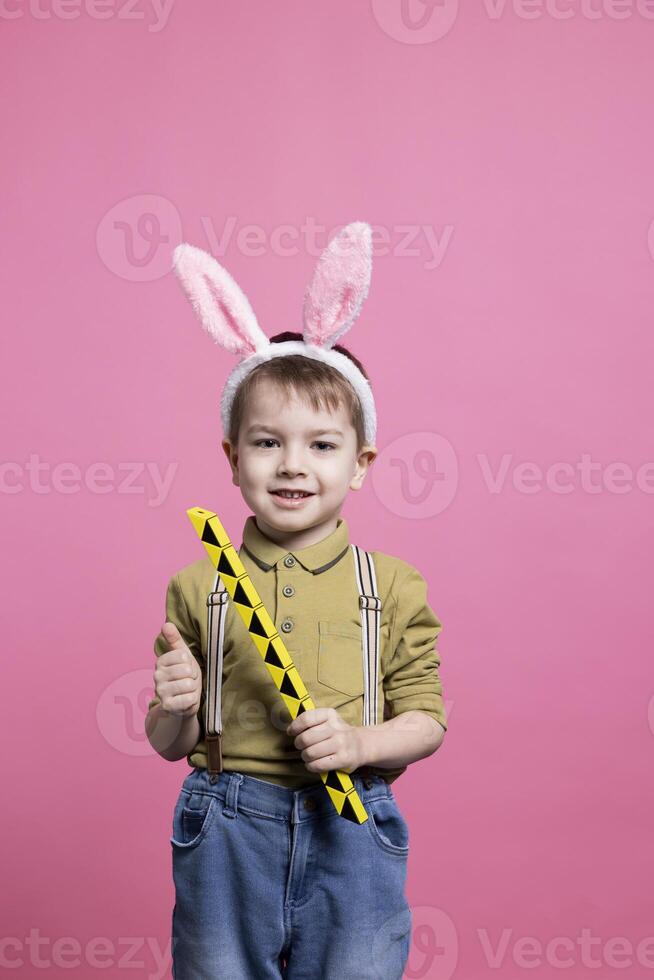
(313, 592)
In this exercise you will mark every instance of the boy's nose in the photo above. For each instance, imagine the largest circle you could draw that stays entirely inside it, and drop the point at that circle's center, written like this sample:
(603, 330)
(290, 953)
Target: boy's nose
(292, 464)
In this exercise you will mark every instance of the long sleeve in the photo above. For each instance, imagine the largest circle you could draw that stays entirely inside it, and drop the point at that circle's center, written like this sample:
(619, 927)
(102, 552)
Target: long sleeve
(177, 613)
(412, 681)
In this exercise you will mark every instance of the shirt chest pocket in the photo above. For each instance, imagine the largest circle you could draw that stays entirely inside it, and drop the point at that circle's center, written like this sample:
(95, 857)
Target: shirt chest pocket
(340, 660)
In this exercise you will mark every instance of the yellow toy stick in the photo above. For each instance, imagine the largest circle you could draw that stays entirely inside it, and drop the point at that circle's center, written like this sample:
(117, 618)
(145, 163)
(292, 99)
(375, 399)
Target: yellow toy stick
(270, 645)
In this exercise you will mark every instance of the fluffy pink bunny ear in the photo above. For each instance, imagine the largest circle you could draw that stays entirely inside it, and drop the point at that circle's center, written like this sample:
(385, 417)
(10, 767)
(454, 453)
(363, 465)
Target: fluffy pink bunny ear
(339, 285)
(220, 303)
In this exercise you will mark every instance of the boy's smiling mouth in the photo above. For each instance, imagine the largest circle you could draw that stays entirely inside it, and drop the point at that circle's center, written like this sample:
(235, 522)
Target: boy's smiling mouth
(291, 498)
(288, 492)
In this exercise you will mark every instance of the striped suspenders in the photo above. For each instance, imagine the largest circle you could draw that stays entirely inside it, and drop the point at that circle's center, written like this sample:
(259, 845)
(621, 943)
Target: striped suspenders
(370, 609)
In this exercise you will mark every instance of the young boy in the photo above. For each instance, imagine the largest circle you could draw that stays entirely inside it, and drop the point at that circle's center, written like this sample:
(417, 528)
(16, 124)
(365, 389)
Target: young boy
(270, 881)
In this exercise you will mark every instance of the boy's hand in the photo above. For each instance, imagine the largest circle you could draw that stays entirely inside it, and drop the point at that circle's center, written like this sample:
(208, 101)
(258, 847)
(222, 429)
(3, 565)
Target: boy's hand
(177, 676)
(327, 741)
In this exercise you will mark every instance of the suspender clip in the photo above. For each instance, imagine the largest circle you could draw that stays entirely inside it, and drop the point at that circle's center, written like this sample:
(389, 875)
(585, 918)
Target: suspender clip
(217, 598)
(370, 602)
(214, 755)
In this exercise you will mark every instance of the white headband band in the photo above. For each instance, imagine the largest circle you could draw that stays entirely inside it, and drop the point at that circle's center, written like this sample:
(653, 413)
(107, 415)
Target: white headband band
(331, 304)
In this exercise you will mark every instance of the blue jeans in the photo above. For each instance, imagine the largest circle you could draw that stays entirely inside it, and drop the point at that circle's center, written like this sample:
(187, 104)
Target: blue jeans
(272, 883)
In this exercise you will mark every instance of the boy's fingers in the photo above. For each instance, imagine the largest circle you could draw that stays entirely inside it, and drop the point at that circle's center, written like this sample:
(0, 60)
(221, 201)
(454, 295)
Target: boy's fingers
(172, 636)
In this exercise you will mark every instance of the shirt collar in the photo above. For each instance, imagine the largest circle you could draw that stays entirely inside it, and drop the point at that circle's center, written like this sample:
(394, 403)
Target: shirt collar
(316, 558)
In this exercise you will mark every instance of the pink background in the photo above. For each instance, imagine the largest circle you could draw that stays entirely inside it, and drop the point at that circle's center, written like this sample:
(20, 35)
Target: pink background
(523, 144)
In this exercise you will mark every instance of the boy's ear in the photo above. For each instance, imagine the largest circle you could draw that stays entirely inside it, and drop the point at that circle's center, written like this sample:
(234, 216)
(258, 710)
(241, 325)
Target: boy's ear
(365, 460)
(370, 453)
(232, 459)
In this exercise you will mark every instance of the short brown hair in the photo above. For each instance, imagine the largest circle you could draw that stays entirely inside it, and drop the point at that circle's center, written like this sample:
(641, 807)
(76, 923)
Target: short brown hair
(319, 383)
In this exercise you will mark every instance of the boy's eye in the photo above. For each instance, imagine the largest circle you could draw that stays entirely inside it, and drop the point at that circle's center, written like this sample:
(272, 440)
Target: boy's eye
(329, 445)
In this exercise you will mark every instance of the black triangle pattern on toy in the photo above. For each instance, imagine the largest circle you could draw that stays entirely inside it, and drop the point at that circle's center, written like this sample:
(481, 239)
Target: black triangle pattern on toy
(240, 595)
(256, 626)
(272, 657)
(332, 781)
(208, 537)
(348, 812)
(224, 565)
(286, 687)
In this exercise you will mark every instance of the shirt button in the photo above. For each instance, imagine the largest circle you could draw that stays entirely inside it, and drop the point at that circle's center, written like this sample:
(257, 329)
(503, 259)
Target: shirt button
(287, 625)
(310, 803)
(368, 783)
(288, 590)
(289, 561)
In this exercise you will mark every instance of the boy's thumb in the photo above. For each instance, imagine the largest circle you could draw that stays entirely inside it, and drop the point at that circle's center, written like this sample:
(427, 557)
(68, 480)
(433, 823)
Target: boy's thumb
(172, 636)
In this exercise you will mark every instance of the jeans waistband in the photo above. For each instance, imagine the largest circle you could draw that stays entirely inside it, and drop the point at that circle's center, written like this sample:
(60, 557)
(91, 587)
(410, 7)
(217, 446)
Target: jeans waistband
(238, 791)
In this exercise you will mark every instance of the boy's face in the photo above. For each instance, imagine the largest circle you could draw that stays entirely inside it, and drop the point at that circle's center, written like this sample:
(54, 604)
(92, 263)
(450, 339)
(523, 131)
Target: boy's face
(287, 445)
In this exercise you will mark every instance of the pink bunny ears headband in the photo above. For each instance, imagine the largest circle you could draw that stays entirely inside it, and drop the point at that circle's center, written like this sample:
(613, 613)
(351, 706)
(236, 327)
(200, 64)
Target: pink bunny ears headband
(331, 305)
